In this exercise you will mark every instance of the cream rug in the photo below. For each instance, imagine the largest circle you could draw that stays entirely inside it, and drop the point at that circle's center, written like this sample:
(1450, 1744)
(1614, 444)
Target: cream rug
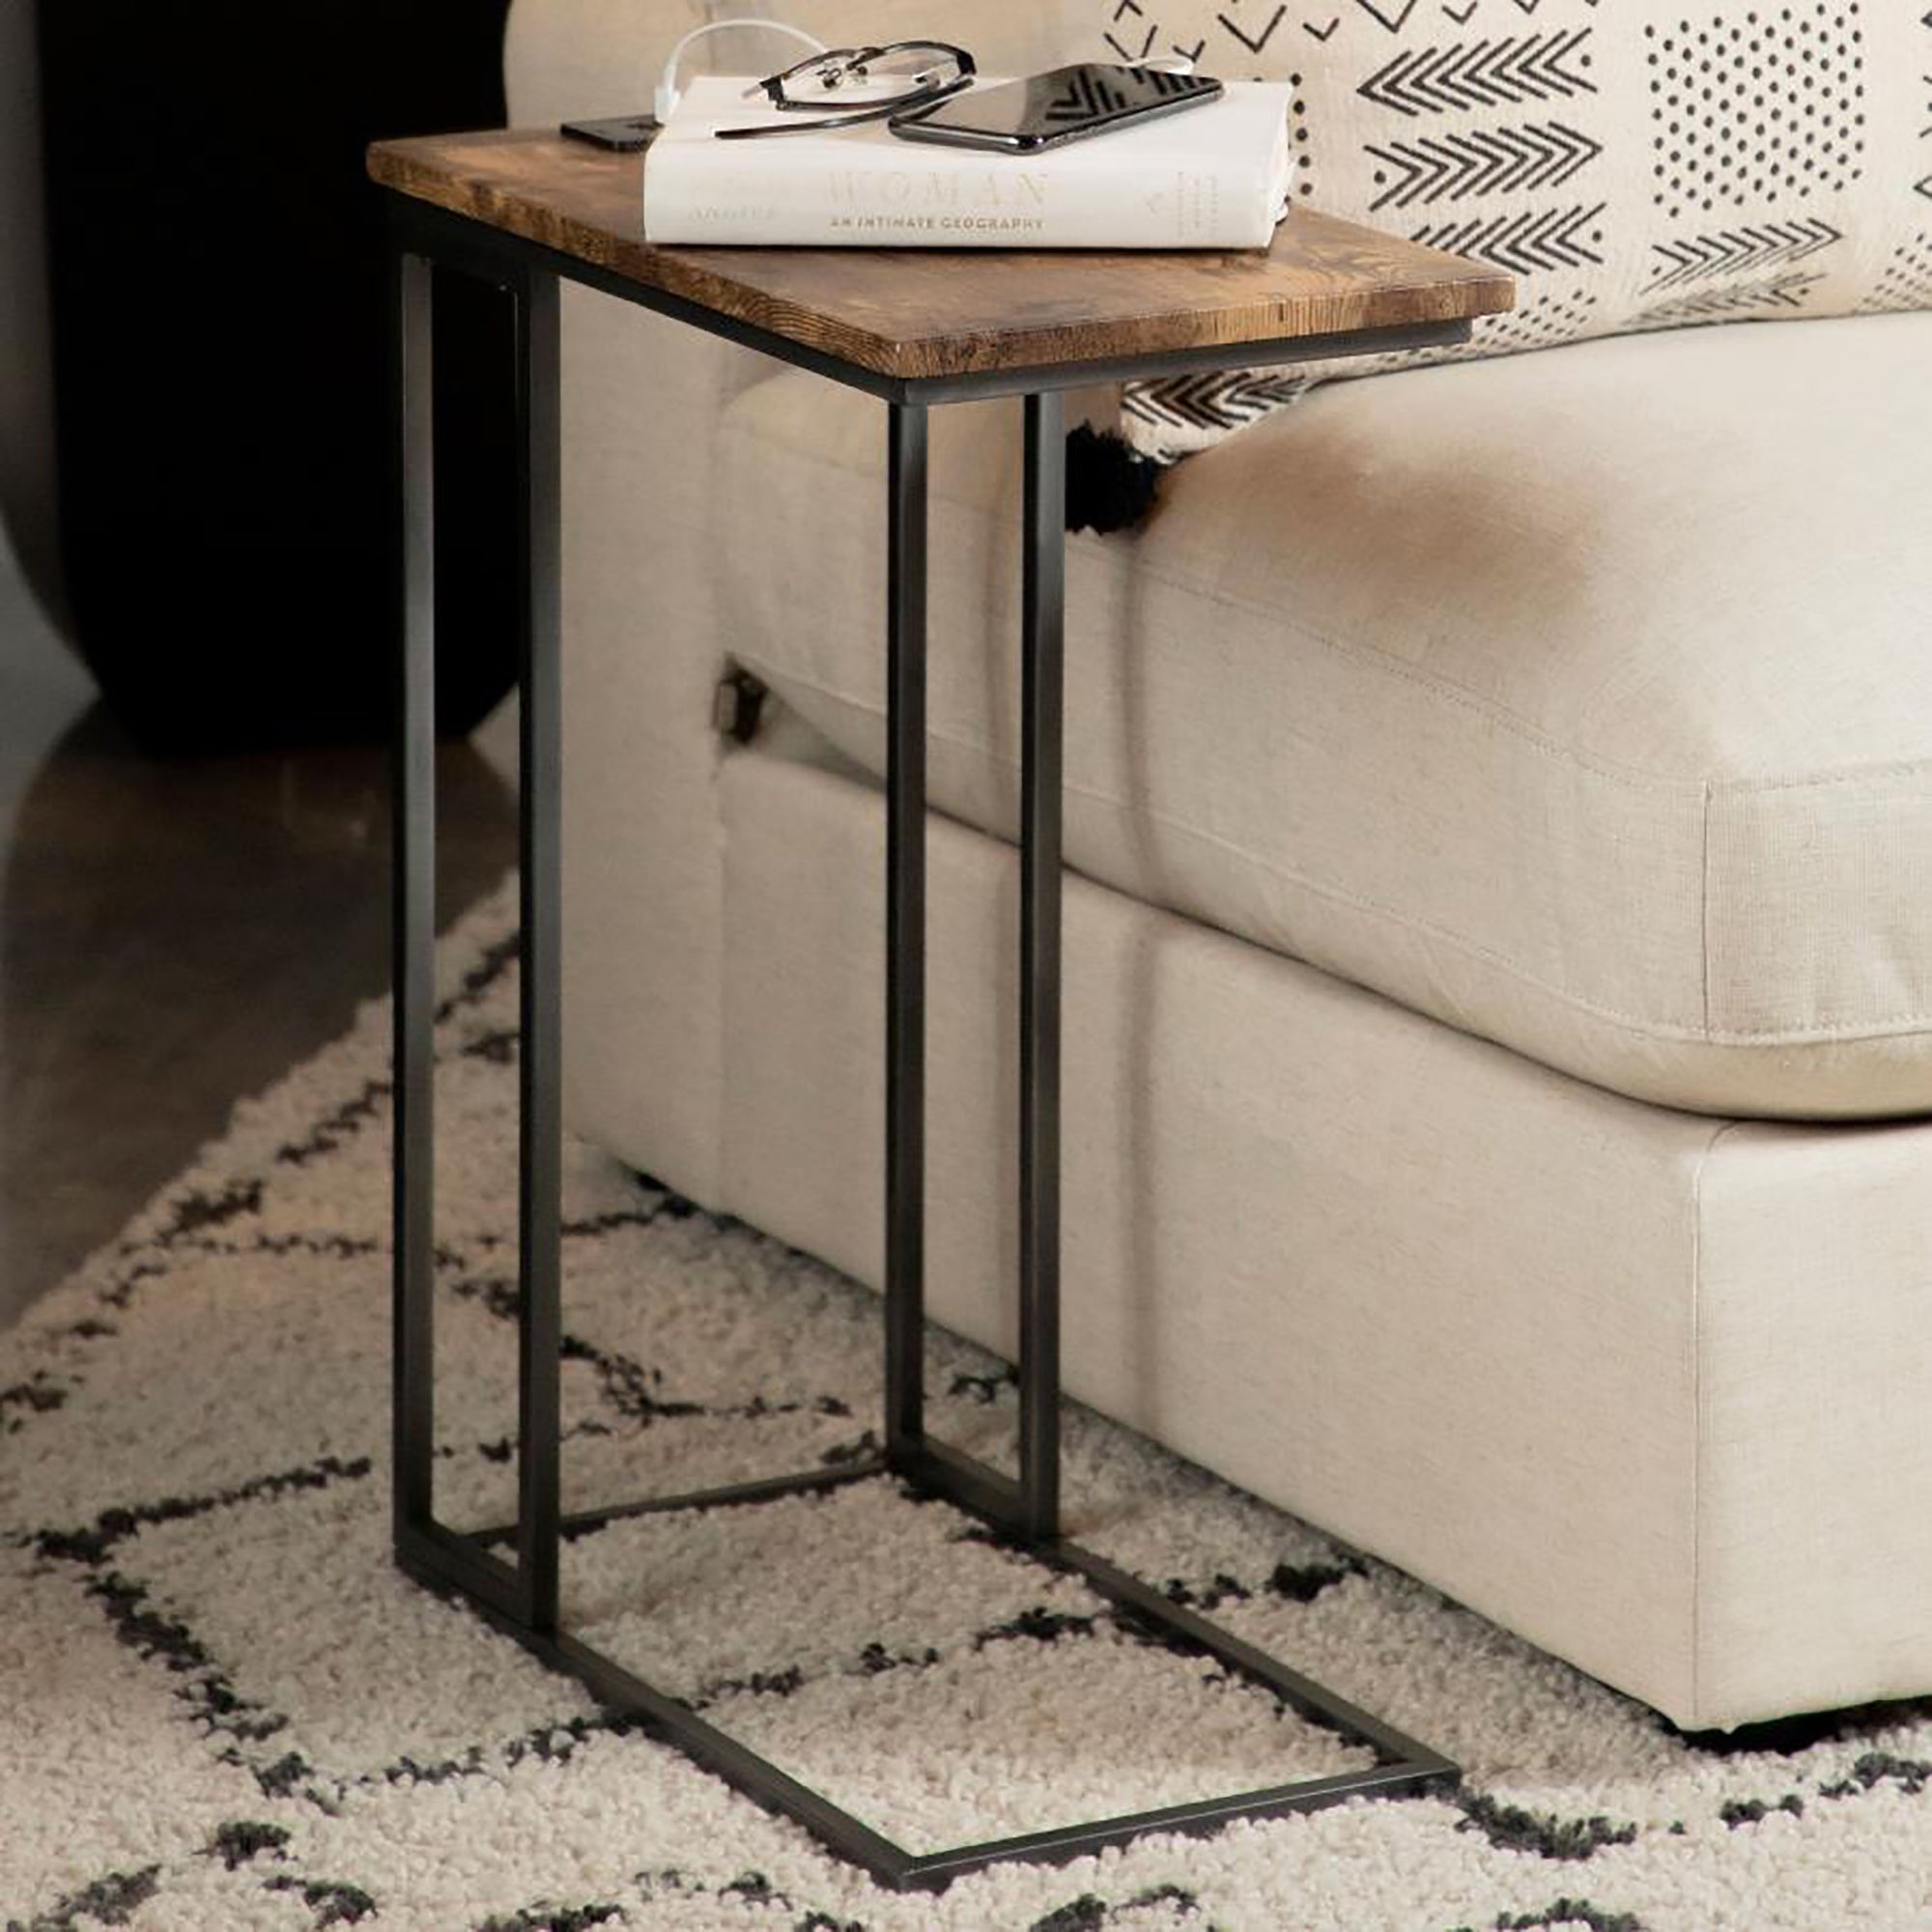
(221, 1706)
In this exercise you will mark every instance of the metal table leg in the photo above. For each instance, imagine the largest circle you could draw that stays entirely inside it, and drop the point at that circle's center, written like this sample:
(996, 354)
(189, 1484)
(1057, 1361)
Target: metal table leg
(906, 929)
(412, 914)
(540, 867)
(1031, 1507)
(1042, 621)
(526, 1592)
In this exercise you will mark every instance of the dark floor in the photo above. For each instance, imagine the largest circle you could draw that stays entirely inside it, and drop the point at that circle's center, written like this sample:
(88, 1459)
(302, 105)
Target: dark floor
(173, 936)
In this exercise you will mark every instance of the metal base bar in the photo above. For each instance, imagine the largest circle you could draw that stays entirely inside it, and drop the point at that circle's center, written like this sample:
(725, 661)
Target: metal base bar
(521, 1597)
(733, 1496)
(1404, 1767)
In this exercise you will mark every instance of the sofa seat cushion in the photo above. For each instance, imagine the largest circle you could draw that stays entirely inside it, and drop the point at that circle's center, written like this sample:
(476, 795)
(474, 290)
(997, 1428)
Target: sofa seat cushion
(1581, 700)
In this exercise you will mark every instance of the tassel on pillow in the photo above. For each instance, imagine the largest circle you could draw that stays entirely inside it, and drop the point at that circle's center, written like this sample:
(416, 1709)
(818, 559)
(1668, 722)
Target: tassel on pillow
(1110, 486)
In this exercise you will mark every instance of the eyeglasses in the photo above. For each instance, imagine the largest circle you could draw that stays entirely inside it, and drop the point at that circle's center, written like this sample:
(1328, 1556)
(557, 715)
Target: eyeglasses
(844, 86)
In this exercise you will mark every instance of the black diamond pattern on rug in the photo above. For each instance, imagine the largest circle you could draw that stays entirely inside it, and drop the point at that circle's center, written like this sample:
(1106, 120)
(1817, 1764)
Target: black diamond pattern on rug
(220, 1704)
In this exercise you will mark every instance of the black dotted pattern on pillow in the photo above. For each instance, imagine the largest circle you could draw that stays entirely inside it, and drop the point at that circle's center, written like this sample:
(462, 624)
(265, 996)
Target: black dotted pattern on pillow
(1907, 280)
(1751, 107)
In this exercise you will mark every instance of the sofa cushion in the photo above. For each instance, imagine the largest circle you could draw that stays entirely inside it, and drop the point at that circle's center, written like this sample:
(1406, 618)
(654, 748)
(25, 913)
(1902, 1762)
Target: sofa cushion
(1581, 700)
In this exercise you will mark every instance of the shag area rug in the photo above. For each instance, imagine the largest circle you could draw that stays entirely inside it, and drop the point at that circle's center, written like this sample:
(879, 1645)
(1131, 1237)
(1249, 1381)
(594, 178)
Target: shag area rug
(220, 1705)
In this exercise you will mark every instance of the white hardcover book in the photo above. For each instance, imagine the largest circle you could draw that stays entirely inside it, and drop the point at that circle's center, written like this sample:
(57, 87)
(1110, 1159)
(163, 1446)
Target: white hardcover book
(1211, 177)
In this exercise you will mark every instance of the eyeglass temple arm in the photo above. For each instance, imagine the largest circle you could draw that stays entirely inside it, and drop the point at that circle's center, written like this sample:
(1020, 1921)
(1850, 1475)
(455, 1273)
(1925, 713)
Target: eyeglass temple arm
(666, 96)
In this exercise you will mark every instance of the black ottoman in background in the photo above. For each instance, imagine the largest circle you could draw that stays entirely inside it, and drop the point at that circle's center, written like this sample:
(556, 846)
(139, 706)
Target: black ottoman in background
(219, 337)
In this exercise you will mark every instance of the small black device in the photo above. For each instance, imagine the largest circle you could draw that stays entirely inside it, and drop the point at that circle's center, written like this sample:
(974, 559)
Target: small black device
(1069, 104)
(627, 133)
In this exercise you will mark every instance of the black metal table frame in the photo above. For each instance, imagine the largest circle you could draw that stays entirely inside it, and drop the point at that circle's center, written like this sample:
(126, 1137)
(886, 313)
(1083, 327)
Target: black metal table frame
(522, 1596)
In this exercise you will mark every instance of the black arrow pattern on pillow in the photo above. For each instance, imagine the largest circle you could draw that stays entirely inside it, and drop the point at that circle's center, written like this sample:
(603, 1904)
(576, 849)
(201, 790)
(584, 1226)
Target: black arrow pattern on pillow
(1556, 238)
(1737, 251)
(1214, 402)
(1905, 284)
(1496, 160)
(1786, 290)
(1254, 43)
(1395, 20)
(1489, 74)
(1924, 187)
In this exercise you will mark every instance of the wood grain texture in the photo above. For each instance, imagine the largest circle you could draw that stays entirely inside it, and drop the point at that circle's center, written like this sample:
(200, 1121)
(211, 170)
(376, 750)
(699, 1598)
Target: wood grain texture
(919, 313)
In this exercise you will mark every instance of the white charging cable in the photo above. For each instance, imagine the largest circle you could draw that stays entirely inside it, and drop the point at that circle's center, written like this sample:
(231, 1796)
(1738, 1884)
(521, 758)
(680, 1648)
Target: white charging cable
(666, 96)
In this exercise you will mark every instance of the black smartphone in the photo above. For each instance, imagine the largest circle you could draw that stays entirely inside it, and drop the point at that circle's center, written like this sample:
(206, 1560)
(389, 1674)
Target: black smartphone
(626, 134)
(1069, 104)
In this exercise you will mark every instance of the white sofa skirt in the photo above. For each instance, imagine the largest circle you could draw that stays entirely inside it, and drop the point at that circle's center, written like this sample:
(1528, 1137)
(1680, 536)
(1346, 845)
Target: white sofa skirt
(1652, 1389)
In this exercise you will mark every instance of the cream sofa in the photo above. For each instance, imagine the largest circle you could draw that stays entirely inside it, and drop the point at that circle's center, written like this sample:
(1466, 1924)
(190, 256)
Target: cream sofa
(1499, 946)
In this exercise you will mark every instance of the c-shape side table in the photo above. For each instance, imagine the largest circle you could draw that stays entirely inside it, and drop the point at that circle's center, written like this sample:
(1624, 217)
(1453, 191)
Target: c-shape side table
(523, 212)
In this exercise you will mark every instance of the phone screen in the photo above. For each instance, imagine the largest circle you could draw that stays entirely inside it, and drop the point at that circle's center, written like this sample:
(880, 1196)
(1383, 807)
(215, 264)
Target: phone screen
(1065, 100)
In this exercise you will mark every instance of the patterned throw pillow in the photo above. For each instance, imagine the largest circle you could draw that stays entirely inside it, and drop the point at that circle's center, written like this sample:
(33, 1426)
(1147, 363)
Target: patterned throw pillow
(1637, 163)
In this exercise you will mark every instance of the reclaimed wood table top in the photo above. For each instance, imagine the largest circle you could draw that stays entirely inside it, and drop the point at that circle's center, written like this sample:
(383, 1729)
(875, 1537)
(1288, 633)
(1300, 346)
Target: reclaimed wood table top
(918, 314)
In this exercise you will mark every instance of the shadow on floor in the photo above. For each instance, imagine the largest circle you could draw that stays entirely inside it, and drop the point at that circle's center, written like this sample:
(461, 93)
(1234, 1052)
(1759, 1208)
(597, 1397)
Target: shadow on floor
(174, 935)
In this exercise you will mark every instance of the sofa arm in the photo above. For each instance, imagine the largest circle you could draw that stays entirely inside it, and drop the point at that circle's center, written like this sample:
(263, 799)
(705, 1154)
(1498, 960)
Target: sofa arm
(646, 545)
(572, 59)
(642, 650)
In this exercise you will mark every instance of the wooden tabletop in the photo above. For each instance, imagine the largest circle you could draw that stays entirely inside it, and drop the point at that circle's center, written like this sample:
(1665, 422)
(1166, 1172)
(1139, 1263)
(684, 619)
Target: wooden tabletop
(917, 313)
